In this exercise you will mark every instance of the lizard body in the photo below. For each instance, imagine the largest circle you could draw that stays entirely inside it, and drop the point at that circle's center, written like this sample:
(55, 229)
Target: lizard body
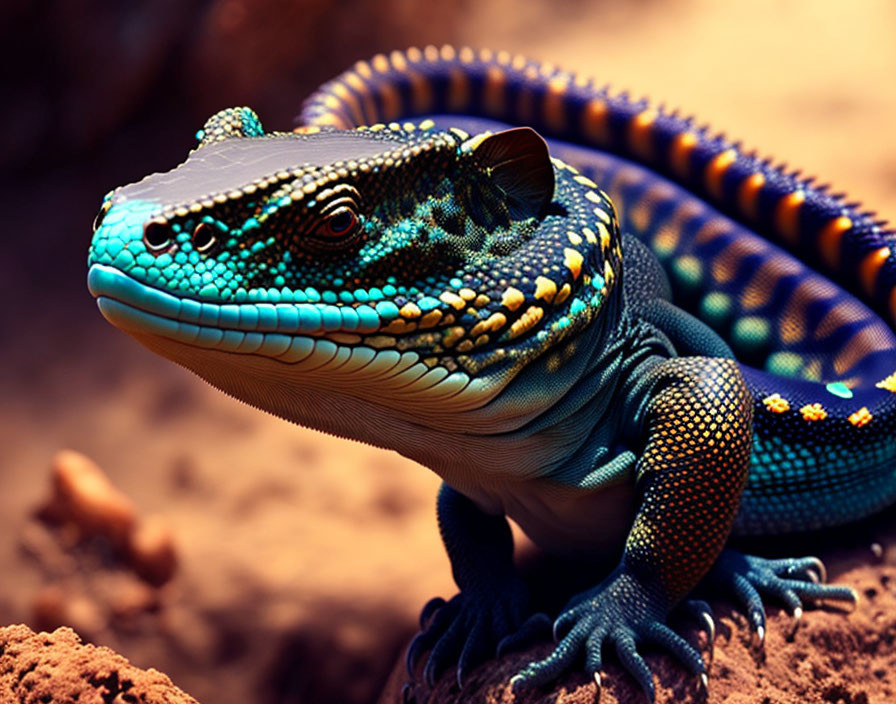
(445, 288)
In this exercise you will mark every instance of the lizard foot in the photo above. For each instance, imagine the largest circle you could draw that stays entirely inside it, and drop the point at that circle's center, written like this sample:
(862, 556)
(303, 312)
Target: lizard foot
(623, 612)
(789, 580)
(468, 628)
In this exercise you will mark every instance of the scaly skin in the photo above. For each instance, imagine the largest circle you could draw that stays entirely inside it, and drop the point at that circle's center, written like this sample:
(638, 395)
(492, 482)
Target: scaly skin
(460, 299)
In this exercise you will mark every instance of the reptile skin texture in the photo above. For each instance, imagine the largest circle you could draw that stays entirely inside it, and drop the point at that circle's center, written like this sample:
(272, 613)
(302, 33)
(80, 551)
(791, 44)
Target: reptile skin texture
(585, 313)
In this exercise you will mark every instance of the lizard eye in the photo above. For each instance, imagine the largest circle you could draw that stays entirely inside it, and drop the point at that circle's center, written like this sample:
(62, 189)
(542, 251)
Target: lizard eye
(157, 235)
(341, 223)
(337, 228)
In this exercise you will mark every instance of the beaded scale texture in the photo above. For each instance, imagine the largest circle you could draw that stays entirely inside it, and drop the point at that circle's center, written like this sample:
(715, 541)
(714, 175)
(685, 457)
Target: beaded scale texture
(415, 269)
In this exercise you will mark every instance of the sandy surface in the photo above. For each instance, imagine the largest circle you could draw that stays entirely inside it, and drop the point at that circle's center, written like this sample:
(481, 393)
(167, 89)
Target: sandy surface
(303, 560)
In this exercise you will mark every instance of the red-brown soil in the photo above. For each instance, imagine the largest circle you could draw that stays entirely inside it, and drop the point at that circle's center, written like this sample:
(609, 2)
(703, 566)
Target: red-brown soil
(298, 563)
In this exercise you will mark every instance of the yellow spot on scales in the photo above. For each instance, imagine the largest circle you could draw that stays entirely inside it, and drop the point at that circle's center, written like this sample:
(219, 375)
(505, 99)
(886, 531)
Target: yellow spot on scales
(410, 310)
(716, 170)
(493, 323)
(555, 103)
(545, 288)
(430, 319)
(680, 154)
(593, 196)
(609, 274)
(603, 215)
(572, 260)
(776, 403)
(595, 121)
(640, 135)
(453, 300)
(574, 238)
(870, 266)
(889, 383)
(585, 181)
(787, 215)
(467, 294)
(495, 99)
(813, 412)
(563, 294)
(512, 298)
(526, 322)
(748, 194)
(860, 417)
(829, 240)
(452, 335)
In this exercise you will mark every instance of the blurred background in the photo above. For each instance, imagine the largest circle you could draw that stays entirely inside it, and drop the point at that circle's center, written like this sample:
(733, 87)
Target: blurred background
(303, 560)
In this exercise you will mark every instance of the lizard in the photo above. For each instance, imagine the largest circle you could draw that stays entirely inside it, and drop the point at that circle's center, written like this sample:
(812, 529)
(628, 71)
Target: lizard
(633, 339)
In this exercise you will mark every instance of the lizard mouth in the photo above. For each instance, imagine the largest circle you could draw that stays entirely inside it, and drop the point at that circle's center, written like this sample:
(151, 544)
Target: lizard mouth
(311, 336)
(289, 332)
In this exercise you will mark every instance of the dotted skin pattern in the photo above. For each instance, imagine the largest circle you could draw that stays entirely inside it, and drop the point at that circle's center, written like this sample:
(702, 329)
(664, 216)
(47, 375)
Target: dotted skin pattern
(692, 470)
(798, 280)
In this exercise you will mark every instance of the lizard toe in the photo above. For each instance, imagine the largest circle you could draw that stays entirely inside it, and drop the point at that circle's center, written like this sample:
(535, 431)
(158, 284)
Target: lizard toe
(794, 582)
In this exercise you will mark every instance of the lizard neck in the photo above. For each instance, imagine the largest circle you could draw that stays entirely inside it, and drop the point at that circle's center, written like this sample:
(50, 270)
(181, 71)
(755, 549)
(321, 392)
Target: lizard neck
(525, 429)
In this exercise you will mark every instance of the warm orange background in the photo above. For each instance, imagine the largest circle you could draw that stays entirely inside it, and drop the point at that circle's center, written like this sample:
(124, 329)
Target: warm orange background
(297, 548)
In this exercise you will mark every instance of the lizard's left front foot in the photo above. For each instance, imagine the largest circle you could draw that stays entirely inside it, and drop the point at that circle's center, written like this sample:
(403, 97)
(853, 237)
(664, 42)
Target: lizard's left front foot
(622, 611)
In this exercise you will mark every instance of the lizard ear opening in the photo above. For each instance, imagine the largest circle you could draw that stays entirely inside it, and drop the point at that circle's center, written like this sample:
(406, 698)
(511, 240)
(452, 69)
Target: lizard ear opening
(519, 162)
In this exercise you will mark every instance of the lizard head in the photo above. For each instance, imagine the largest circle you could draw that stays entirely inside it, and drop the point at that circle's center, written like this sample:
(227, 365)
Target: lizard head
(405, 266)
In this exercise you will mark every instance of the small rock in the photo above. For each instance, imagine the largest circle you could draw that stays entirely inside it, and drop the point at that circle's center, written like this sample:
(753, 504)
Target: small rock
(152, 551)
(84, 495)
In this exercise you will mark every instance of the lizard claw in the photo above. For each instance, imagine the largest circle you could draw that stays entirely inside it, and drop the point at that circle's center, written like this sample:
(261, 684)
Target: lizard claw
(758, 637)
(795, 624)
(702, 612)
(621, 612)
(789, 580)
(407, 694)
(429, 609)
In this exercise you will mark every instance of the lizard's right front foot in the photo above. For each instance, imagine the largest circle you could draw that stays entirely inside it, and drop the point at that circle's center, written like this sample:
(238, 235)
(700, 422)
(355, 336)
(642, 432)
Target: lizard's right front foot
(472, 627)
(790, 580)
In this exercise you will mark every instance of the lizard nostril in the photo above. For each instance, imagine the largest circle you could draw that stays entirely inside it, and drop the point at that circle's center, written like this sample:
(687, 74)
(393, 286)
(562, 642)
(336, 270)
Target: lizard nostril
(157, 234)
(203, 237)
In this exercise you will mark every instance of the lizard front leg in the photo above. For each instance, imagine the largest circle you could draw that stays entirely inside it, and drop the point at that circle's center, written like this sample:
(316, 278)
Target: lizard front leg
(493, 601)
(697, 426)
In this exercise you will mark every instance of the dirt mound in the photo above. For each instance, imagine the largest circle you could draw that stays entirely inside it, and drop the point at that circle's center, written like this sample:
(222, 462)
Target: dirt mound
(56, 668)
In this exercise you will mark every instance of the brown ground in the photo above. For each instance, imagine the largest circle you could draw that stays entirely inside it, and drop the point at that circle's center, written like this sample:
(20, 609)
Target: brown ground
(303, 560)
(56, 668)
